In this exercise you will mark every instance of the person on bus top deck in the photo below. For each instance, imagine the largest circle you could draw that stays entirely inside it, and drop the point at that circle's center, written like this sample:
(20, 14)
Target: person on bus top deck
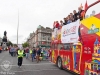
(20, 57)
(69, 20)
(57, 25)
(80, 13)
(61, 23)
(75, 14)
(65, 21)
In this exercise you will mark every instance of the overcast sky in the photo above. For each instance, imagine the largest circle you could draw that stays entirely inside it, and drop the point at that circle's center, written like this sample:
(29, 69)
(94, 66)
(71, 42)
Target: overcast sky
(33, 13)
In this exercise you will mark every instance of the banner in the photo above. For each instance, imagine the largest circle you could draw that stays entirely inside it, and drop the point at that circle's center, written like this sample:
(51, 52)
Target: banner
(69, 32)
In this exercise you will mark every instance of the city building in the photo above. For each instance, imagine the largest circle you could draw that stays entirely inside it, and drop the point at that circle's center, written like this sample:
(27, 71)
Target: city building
(41, 37)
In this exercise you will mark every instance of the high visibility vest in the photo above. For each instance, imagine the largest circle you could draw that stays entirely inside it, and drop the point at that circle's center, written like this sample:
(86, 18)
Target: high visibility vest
(30, 51)
(20, 53)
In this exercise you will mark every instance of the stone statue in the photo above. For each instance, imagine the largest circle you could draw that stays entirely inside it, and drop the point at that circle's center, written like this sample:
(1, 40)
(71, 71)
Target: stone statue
(5, 37)
(5, 33)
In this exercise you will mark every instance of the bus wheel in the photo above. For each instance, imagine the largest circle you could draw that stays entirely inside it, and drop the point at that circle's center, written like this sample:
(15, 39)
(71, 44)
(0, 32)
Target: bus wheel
(59, 63)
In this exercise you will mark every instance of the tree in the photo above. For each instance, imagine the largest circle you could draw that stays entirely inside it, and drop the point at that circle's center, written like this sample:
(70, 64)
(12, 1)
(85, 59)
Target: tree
(25, 44)
(9, 43)
(15, 45)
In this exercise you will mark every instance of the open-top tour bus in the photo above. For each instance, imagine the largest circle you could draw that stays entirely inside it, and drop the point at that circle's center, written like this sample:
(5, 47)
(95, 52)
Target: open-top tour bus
(76, 46)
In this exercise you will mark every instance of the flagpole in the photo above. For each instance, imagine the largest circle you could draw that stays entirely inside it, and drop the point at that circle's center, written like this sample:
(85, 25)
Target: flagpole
(18, 27)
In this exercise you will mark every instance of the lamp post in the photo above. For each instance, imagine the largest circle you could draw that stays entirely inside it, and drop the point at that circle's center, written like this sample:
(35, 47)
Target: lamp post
(18, 27)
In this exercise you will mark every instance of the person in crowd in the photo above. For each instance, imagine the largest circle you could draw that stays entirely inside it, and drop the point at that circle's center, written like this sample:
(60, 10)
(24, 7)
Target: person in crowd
(75, 15)
(12, 49)
(61, 23)
(0, 49)
(80, 11)
(69, 19)
(9, 49)
(54, 24)
(17, 48)
(49, 50)
(33, 53)
(42, 51)
(47, 53)
(38, 52)
(30, 52)
(57, 25)
(27, 52)
(65, 21)
(20, 57)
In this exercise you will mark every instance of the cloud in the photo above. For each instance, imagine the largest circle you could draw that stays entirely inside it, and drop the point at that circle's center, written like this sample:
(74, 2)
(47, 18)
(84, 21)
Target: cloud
(14, 38)
(33, 13)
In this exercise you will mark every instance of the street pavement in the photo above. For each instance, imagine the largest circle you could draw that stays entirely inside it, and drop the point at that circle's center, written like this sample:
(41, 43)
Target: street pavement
(28, 67)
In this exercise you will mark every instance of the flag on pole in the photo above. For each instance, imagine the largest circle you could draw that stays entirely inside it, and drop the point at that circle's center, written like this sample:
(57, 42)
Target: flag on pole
(86, 5)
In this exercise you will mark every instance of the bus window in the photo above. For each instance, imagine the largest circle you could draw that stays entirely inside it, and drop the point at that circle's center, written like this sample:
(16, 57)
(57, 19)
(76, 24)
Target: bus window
(60, 46)
(67, 46)
(52, 46)
(55, 46)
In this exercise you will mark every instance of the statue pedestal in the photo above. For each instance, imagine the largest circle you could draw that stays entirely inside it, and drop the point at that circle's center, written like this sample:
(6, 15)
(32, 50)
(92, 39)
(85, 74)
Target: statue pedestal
(4, 45)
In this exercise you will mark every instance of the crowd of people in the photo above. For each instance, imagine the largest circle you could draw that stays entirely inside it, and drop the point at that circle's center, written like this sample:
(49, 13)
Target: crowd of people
(72, 17)
(37, 53)
(33, 53)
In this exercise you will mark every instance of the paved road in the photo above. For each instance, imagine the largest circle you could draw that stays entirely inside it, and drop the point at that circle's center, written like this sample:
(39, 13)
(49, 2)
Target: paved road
(30, 68)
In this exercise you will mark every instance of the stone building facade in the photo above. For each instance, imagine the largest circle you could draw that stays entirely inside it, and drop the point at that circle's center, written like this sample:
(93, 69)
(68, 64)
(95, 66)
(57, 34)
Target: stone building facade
(41, 37)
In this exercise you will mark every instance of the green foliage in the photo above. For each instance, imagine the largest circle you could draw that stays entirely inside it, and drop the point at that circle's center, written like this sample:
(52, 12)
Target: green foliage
(10, 43)
(15, 45)
(25, 44)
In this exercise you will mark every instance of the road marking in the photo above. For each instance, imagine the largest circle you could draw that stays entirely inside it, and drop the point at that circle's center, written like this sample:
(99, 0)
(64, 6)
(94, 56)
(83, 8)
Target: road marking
(32, 64)
(1, 58)
(36, 70)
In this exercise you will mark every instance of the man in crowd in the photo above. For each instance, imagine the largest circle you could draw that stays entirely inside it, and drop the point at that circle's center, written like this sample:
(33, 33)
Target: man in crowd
(0, 49)
(33, 53)
(20, 57)
(27, 52)
(12, 49)
(38, 52)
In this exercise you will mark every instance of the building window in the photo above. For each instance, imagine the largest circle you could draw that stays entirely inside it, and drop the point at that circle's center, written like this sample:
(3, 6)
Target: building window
(55, 46)
(49, 38)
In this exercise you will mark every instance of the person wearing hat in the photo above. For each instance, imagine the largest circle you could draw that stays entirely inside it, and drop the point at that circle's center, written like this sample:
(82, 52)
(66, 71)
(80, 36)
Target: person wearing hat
(20, 57)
